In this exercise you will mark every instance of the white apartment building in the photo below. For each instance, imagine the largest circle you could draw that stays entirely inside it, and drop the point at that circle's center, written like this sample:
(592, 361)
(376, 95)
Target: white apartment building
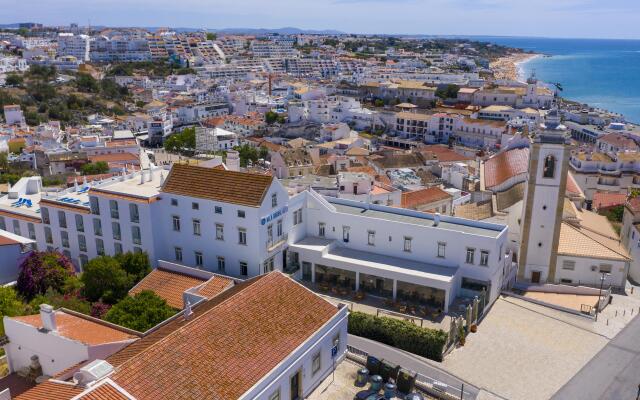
(13, 115)
(74, 45)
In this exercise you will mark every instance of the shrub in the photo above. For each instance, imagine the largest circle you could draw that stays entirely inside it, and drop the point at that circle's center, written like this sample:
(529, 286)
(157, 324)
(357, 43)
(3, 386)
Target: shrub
(140, 312)
(401, 334)
(41, 271)
(99, 309)
(10, 305)
(70, 301)
(135, 264)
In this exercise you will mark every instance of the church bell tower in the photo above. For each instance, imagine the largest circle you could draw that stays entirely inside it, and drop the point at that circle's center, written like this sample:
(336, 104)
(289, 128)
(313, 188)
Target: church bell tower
(544, 201)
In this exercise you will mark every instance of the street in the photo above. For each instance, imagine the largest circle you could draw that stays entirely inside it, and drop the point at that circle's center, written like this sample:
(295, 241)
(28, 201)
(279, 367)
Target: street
(612, 373)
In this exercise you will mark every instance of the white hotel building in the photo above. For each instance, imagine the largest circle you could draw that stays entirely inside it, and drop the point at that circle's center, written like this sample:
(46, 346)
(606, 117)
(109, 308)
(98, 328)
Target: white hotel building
(244, 225)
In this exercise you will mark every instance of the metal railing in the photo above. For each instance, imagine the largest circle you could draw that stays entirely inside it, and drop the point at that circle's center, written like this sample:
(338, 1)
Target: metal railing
(275, 242)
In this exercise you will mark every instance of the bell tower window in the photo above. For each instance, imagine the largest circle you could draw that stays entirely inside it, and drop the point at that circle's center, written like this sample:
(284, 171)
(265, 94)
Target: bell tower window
(549, 166)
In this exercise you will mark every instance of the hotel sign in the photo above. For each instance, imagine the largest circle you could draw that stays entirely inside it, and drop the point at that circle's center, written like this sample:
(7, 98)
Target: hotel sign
(274, 215)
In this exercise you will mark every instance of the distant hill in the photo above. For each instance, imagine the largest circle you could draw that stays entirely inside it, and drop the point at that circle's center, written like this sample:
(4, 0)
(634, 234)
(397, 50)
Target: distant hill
(281, 31)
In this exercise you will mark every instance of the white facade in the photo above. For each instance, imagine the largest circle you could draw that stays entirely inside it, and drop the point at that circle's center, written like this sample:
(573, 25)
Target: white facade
(74, 45)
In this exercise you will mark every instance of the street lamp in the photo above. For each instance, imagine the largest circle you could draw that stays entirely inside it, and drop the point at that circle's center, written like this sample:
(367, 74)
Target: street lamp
(603, 276)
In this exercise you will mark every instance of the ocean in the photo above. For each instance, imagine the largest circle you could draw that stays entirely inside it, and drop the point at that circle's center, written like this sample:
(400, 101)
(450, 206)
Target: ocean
(604, 73)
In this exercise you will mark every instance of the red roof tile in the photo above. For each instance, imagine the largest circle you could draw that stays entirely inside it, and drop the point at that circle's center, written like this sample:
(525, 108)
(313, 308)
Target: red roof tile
(167, 284)
(50, 390)
(423, 197)
(604, 199)
(505, 165)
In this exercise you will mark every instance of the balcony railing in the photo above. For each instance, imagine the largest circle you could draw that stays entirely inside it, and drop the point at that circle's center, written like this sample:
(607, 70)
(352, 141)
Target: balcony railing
(273, 244)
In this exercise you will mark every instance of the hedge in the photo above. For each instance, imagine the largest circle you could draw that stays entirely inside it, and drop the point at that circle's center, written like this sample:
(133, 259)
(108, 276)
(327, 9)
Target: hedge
(404, 335)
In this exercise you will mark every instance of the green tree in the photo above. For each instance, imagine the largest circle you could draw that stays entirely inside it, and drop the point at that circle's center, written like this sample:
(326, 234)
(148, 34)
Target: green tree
(270, 117)
(10, 305)
(57, 300)
(87, 83)
(247, 153)
(14, 80)
(105, 279)
(136, 265)
(100, 167)
(141, 312)
(211, 36)
(181, 142)
(378, 103)
(448, 92)
(40, 271)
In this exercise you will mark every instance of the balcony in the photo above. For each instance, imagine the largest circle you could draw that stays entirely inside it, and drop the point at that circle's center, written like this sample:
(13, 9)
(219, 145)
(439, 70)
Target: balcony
(275, 243)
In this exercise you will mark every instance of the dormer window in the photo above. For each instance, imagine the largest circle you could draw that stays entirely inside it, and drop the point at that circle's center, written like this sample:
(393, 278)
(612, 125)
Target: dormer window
(549, 166)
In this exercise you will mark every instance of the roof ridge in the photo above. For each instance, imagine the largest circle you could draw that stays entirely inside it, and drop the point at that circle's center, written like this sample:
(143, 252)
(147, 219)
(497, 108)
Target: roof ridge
(197, 316)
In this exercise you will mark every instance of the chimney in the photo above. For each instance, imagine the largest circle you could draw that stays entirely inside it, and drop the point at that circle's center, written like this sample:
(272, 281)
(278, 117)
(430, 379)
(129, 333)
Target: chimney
(48, 317)
(187, 313)
(142, 177)
(436, 219)
(233, 160)
(161, 178)
(150, 175)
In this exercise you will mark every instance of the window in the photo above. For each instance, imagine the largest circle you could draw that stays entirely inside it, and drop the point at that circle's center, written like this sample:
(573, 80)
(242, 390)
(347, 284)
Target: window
(569, 265)
(83, 260)
(176, 223)
(115, 226)
(321, 227)
(274, 200)
(240, 213)
(196, 227)
(315, 363)
(242, 236)
(137, 250)
(178, 253)
(279, 228)
(345, 234)
(79, 223)
(62, 219)
(275, 396)
(407, 244)
(549, 166)
(134, 213)
(95, 205)
(297, 217)
(32, 231)
(484, 258)
(218, 210)
(221, 264)
(117, 248)
(3, 224)
(174, 202)
(219, 232)
(113, 206)
(97, 227)
(243, 268)
(136, 235)
(16, 227)
(605, 268)
(442, 247)
(270, 234)
(198, 257)
(268, 265)
(100, 247)
(64, 238)
(371, 238)
(45, 215)
(195, 206)
(470, 256)
(82, 243)
(48, 237)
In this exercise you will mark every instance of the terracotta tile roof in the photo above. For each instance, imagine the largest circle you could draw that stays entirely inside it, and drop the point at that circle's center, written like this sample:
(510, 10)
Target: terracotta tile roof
(572, 186)
(215, 286)
(167, 284)
(423, 197)
(505, 165)
(80, 329)
(582, 242)
(104, 392)
(51, 390)
(604, 199)
(510, 196)
(620, 141)
(474, 211)
(223, 352)
(633, 204)
(6, 241)
(443, 153)
(218, 185)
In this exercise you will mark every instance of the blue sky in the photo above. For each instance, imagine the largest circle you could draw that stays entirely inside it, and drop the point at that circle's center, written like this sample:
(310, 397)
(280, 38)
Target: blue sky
(550, 18)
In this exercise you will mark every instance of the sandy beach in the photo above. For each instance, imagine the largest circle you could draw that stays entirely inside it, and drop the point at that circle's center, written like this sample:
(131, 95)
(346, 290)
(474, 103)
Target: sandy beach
(508, 67)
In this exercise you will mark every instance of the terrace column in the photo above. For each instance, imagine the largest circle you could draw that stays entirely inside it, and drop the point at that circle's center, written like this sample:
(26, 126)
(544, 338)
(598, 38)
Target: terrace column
(395, 289)
(357, 281)
(313, 273)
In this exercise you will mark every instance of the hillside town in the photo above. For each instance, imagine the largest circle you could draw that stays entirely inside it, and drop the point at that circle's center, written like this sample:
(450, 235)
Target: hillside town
(211, 215)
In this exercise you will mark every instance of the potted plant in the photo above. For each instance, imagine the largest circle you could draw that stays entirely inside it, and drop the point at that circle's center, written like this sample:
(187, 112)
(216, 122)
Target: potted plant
(474, 328)
(461, 336)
